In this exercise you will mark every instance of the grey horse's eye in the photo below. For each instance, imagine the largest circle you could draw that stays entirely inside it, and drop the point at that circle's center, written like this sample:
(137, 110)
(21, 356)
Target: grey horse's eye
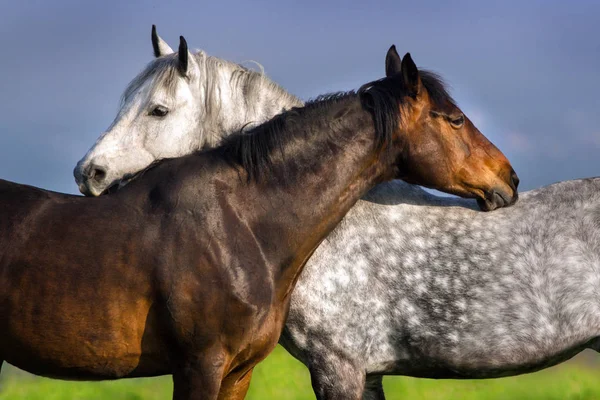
(159, 111)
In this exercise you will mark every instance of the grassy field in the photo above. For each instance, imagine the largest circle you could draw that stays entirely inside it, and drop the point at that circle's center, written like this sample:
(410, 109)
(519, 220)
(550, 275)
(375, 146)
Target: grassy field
(282, 377)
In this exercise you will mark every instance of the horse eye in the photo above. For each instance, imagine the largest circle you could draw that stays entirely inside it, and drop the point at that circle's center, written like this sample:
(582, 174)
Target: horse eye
(457, 122)
(159, 111)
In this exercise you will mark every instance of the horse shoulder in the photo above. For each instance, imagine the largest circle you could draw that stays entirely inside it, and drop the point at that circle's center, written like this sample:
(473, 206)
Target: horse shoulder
(208, 257)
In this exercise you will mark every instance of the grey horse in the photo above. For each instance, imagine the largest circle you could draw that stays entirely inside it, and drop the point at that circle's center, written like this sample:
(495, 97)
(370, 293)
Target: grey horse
(414, 284)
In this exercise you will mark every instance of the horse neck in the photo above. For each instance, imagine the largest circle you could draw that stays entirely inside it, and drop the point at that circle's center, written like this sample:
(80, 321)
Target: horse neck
(324, 177)
(236, 98)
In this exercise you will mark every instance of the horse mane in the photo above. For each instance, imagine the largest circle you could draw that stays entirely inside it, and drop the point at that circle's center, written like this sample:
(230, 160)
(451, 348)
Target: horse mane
(436, 88)
(163, 73)
(253, 150)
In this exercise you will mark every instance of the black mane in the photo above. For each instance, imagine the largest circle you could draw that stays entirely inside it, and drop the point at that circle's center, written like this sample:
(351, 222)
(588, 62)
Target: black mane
(253, 150)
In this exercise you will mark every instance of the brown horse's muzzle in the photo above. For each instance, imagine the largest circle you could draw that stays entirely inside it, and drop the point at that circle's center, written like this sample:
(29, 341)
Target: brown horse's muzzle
(501, 196)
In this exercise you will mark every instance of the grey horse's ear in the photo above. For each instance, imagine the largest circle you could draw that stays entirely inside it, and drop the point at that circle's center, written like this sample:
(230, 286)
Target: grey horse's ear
(186, 62)
(183, 56)
(393, 62)
(160, 47)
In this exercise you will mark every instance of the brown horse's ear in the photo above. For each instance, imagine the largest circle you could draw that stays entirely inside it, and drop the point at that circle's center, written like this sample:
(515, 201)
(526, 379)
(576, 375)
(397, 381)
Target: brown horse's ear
(183, 56)
(410, 75)
(393, 62)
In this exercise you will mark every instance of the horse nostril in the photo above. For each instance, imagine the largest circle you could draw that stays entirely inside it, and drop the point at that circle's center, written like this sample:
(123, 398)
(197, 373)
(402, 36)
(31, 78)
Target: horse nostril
(514, 179)
(96, 173)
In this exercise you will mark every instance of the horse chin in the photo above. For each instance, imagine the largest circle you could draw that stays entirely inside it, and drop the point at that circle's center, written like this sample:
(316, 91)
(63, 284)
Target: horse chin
(494, 200)
(485, 204)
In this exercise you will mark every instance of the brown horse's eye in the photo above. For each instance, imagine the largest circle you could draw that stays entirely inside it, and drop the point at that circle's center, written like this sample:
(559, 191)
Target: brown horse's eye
(457, 122)
(159, 111)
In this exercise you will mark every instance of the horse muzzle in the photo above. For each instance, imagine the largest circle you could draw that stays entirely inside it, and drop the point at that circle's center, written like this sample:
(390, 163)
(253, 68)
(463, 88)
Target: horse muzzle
(503, 195)
(90, 179)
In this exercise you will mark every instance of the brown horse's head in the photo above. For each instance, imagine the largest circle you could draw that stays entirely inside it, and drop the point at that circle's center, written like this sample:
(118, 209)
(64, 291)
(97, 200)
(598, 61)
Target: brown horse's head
(442, 148)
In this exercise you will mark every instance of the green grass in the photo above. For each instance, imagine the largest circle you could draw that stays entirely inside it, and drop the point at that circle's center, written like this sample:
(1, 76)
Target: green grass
(282, 377)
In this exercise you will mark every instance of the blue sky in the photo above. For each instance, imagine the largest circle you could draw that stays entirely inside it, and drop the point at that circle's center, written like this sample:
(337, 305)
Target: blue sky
(525, 72)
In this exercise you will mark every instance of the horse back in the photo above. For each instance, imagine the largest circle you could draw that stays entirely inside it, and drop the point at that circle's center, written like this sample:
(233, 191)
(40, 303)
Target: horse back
(77, 270)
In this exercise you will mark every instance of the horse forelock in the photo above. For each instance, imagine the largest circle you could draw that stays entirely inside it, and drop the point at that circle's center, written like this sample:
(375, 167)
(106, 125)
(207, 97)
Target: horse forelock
(159, 74)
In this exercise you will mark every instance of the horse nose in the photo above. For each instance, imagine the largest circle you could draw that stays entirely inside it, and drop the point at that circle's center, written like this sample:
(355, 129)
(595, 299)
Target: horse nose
(89, 178)
(514, 184)
(514, 179)
(95, 173)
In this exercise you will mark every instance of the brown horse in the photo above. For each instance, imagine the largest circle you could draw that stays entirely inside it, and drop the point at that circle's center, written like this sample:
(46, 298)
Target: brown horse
(188, 270)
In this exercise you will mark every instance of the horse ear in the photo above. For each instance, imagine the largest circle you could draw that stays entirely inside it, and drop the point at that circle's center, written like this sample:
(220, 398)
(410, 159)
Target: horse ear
(392, 62)
(160, 47)
(410, 75)
(183, 56)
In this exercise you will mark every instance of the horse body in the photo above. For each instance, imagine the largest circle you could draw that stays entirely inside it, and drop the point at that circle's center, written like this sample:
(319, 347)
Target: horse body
(417, 285)
(174, 261)
(170, 263)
